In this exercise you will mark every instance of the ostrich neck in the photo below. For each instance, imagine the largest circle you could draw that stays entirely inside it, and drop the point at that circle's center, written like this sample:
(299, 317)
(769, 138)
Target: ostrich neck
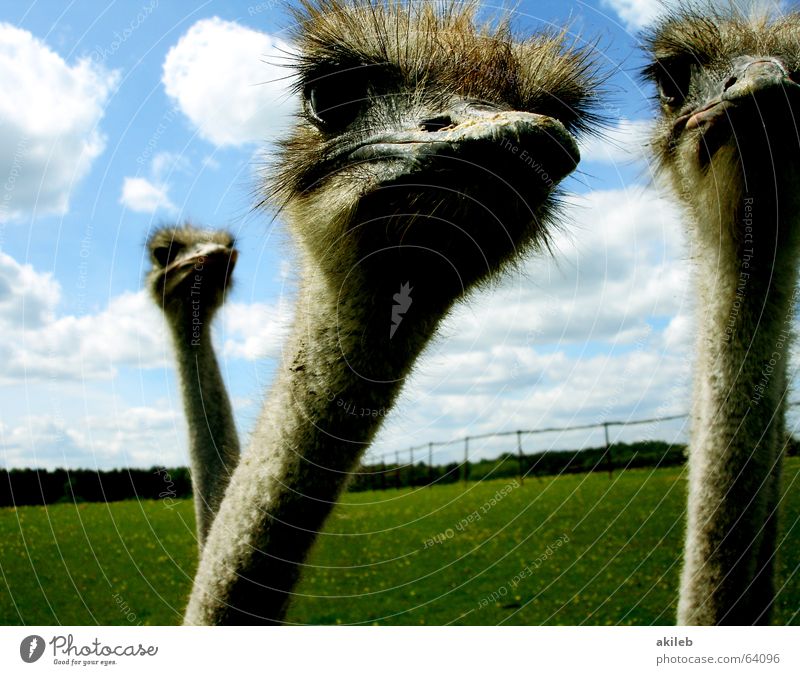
(745, 276)
(339, 377)
(745, 289)
(213, 441)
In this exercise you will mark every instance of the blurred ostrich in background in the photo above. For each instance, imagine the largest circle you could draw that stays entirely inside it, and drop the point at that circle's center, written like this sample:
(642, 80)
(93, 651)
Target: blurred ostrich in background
(191, 270)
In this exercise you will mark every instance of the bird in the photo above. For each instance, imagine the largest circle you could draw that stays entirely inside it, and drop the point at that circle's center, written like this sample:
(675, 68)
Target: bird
(726, 142)
(406, 183)
(189, 278)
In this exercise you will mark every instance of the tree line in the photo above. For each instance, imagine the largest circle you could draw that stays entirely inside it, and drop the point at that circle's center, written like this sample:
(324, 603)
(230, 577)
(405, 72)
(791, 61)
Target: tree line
(36, 487)
(513, 465)
(618, 456)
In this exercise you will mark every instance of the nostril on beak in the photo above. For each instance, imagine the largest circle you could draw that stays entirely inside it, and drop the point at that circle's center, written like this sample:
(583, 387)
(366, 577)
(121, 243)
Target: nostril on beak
(436, 123)
(754, 76)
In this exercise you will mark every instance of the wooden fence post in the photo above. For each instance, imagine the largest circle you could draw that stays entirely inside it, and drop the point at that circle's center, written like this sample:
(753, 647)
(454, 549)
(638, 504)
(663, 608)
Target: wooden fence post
(466, 459)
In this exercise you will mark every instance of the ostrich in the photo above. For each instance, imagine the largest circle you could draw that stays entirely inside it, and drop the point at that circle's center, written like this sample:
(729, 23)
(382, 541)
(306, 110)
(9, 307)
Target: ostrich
(190, 273)
(408, 181)
(727, 141)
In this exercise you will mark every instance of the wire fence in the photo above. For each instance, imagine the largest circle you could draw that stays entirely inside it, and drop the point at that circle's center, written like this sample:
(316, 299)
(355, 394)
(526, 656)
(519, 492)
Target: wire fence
(422, 465)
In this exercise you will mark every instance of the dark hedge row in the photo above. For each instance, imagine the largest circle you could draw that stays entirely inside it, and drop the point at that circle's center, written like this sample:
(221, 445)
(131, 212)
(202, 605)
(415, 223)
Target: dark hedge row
(620, 456)
(30, 487)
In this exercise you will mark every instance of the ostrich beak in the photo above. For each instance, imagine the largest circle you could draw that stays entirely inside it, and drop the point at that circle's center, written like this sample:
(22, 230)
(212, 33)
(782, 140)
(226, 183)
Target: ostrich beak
(750, 79)
(207, 254)
(207, 258)
(488, 138)
(751, 105)
(752, 76)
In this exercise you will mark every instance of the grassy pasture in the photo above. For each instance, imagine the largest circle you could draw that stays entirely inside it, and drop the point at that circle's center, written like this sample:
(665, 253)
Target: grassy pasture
(575, 549)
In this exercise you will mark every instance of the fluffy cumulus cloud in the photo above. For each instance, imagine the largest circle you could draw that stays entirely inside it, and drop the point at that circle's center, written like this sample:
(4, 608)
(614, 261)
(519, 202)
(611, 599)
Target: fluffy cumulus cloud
(148, 195)
(255, 330)
(635, 14)
(49, 115)
(133, 436)
(69, 368)
(625, 142)
(57, 368)
(38, 344)
(143, 196)
(228, 80)
(618, 266)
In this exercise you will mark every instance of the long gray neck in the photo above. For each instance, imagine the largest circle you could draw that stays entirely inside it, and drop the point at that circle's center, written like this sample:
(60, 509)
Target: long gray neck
(339, 377)
(745, 278)
(213, 441)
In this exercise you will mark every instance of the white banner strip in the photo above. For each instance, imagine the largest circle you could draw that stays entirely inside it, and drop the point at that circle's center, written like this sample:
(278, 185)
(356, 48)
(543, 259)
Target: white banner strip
(398, 650)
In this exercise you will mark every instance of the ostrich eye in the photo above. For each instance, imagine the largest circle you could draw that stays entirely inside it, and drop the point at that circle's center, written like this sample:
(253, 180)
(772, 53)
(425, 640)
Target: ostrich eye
(673, 79)
(335, 100)
(164, 255)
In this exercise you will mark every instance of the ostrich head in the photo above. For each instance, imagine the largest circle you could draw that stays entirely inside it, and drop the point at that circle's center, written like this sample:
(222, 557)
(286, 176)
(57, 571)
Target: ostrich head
(191, 270)
(428, 149)
(729, 89)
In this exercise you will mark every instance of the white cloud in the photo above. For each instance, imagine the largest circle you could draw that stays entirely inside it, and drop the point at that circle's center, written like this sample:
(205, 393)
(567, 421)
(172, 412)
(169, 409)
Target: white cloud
(635, 13)
(678, 334)
(128, 332)
(227, 80)
(37, 344)
(49, 117)
(166, 163)
(62, 405)
(625, 143)
(71, 413)
(27, 297)
(129, 437)
(148, 195)
(255, 330)
(618, 264)
(143, 196)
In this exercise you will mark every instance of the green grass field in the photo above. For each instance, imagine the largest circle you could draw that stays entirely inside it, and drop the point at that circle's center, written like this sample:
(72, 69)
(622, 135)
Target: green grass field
(578, 549)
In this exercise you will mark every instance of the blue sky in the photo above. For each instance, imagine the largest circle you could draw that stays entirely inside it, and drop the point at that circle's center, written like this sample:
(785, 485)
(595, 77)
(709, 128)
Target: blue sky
(142, 113)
